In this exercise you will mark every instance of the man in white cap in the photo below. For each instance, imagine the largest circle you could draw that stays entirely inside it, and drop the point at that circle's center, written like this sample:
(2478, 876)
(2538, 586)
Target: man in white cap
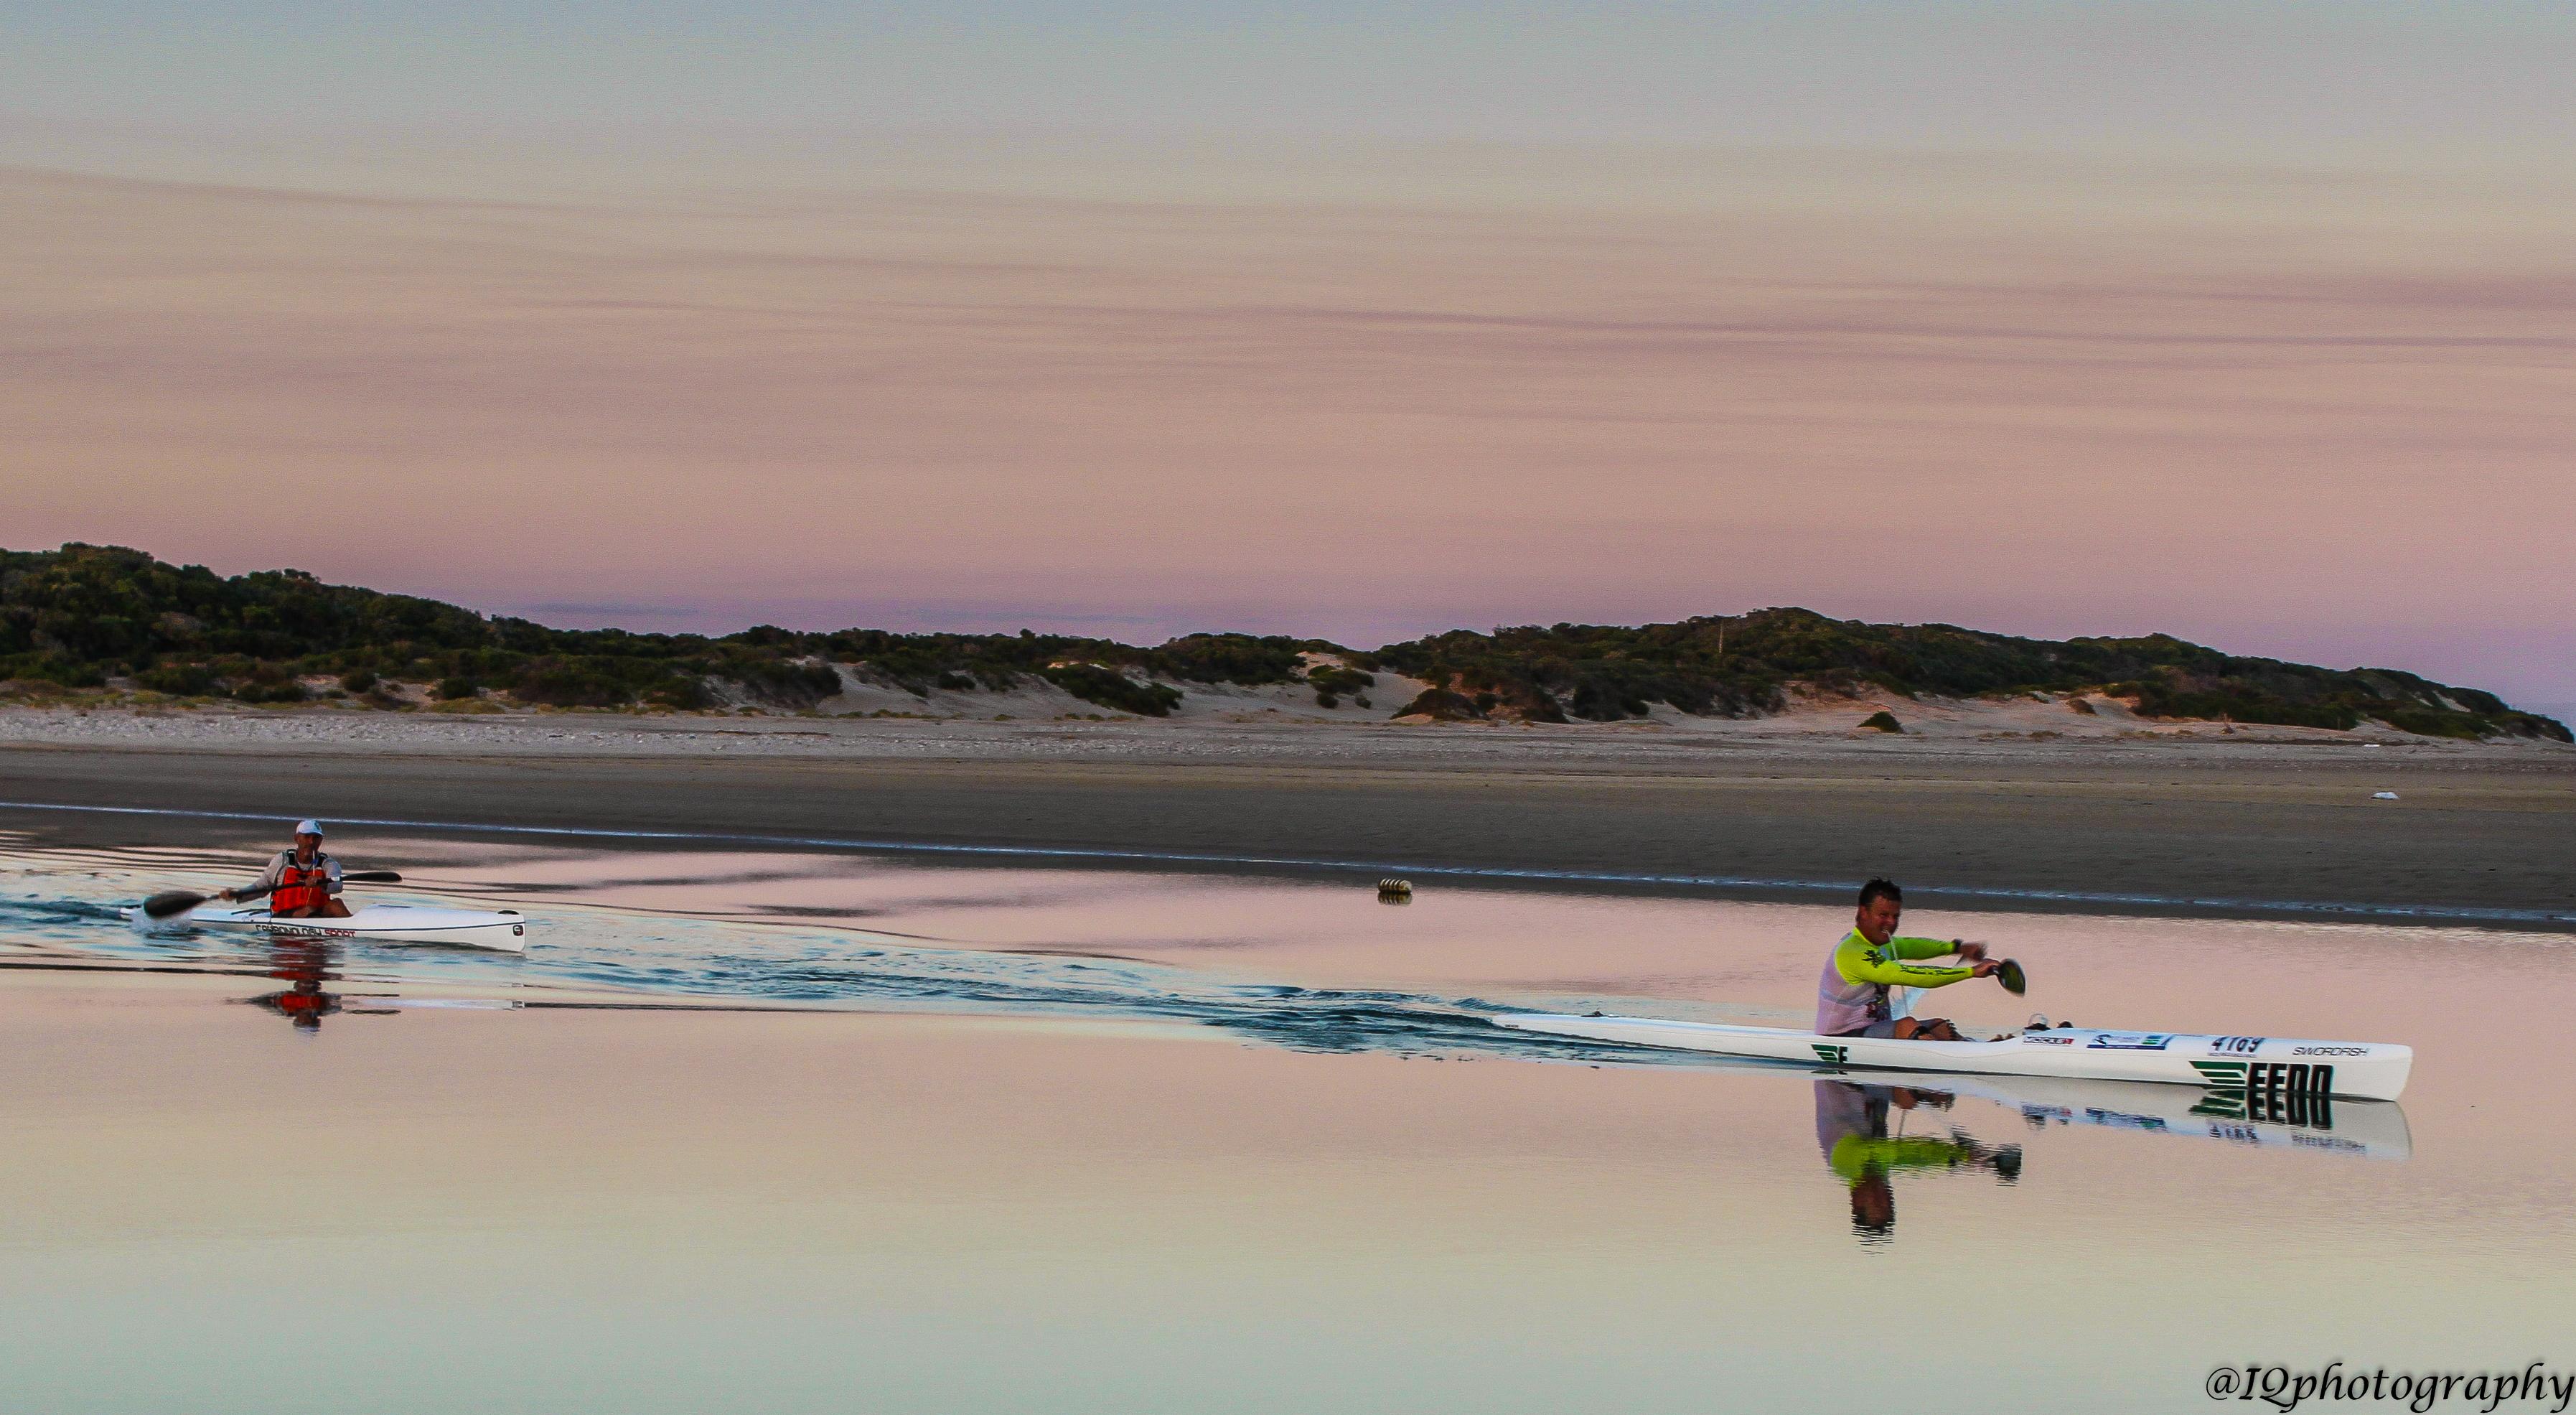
(302, 883)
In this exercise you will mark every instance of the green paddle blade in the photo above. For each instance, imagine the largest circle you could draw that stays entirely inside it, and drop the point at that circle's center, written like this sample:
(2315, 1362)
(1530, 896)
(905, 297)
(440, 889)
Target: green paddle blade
(2009, 974)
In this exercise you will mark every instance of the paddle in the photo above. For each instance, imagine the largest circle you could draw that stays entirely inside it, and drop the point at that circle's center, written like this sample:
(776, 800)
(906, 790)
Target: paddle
(2009, 974)
(180, 901)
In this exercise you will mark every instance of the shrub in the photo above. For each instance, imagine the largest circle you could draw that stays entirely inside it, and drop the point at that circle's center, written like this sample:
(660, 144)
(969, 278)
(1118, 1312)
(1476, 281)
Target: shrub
(2532, 724)
(681, 694)
(782, 684)
(181, 680)
(2432, 722)
(1332, 683)
(273, 690)
(1228, 658)
(358, 680)
(1441, 705)
(1883, 720)
(52, 668)
(456, 688)
(567, 685)
(1095, 684)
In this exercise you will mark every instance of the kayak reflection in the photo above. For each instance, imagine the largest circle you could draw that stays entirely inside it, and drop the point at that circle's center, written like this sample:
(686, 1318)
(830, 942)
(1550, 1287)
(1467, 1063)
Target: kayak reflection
(2254, 1119)
(1862, 1130)
(1872, 1130)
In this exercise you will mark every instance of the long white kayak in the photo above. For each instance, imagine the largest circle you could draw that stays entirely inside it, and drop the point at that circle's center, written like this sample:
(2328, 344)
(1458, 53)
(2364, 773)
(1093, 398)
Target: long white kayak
(503, 929)
(2365, 1070)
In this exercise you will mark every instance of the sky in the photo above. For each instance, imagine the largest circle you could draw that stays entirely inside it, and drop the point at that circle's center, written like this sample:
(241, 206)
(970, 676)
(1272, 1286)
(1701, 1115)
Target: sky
(2250, 323)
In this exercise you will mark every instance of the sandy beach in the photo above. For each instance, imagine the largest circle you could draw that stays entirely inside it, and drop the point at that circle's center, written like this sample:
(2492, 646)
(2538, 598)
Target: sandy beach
(2183, 819)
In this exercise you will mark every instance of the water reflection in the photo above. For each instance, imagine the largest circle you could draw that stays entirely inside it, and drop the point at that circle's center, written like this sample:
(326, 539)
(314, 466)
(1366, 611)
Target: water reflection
(304, 965)
(2258, 1119)
(1872, 1127)
(1863, 1131)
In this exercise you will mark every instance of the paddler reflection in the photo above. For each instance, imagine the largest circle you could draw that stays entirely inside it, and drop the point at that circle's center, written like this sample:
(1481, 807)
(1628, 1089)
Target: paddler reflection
(304, 965)
(1853, 1130)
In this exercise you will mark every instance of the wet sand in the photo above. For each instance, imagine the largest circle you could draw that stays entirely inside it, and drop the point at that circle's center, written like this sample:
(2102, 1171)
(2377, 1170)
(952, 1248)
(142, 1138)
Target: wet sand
(2209, 820)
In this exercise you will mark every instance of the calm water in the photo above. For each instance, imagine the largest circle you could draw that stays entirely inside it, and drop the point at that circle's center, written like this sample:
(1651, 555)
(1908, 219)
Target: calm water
(961, 1138)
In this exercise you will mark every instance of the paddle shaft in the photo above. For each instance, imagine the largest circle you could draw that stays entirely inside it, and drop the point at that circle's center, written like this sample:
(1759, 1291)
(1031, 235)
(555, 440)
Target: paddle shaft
(346, 877)
(180, 901)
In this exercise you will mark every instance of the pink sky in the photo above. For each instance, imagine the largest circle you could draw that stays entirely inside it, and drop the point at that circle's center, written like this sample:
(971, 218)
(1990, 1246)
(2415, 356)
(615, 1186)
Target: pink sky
(2322, 411)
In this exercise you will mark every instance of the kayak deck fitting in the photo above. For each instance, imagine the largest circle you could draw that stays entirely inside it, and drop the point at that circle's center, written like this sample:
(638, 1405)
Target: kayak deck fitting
(503, 930)
(2290, 1065)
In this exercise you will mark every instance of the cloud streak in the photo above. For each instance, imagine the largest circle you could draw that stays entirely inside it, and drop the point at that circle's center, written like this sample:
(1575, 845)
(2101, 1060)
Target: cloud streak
(2091, 413)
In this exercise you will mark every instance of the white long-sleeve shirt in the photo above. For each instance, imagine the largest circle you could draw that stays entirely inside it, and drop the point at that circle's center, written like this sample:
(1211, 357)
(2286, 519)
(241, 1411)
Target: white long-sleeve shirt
(275, 874)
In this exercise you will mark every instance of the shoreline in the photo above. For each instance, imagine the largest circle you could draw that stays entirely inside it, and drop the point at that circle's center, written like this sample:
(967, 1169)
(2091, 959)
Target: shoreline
(1990, 897)
(2236, 826)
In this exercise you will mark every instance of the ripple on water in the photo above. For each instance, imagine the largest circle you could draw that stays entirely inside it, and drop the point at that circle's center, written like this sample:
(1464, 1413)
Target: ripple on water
(75, 917)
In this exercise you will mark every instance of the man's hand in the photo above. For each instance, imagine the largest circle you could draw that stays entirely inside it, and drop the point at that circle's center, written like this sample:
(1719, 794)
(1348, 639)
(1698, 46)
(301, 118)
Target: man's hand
(223, 894)
(1983, 967)
(1970, 951)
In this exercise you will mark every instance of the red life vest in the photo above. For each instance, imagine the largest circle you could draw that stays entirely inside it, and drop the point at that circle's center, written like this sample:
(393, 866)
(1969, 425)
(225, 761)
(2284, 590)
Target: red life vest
(299, 888)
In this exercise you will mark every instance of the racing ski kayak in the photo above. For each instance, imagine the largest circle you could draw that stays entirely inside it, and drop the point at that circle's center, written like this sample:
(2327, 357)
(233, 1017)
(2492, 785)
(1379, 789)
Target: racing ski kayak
(2362, 1070)
(503, 929)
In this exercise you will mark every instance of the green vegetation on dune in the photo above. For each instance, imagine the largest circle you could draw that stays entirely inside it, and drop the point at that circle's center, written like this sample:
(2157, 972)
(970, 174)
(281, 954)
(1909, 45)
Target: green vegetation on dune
(96, 618)
(1744, 664)
(86, 616)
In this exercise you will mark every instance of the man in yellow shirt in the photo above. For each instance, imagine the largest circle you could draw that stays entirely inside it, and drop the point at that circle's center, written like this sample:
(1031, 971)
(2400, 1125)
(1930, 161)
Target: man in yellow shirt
(1852, 996)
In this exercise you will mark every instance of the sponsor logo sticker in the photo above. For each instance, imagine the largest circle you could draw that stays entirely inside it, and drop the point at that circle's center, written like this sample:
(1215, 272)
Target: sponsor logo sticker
(2294, 1078)
(2130, 1041)
(1826, 1051)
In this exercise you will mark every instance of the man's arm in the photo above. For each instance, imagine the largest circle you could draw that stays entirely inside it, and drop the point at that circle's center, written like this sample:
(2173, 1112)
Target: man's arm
(268, 879)
(1854, 1155)
(1860, 963)
(331, 874)
(1934, 948)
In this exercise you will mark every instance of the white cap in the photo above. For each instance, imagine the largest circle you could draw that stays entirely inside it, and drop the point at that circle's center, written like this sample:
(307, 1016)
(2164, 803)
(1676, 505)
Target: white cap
(308, 827)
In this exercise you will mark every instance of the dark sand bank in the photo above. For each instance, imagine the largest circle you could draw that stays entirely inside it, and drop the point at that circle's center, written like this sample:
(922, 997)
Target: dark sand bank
(2178, 822)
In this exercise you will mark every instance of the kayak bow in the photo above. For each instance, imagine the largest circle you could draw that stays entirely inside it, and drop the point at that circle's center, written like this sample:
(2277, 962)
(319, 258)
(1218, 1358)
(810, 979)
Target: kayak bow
(2363, 1070)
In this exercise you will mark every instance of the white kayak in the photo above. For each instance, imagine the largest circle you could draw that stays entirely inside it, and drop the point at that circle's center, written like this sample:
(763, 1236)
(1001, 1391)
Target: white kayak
(503, 929)
(2271, 1065)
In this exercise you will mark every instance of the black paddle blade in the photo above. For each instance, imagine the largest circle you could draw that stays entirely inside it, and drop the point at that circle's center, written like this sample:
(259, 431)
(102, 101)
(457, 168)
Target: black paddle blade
(169, 902)
(2009, 974)
(370, 877)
